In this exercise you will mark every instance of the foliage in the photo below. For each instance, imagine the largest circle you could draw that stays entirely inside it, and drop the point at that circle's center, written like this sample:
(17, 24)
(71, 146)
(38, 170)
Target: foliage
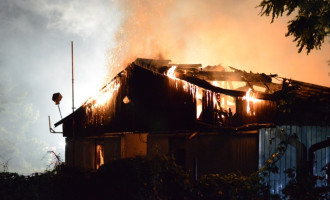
(10, 182)
(304, 186)
(286, 97)
(143, 178)
(270, 164)
(157, 177)
(57, 161)
(232, 186)
(311, 23)
(131, 178)
(4, 166)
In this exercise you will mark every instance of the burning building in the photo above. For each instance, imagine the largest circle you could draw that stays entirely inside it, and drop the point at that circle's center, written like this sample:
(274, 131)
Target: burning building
(211, 119)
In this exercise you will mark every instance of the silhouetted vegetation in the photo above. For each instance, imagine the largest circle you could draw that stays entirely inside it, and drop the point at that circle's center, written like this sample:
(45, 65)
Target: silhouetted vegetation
(143, 178)
(310, 25)
(232, 186)
(302, 186)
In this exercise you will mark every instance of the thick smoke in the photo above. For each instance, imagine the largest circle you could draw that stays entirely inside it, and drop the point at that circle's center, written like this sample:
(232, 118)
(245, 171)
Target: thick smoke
(212, 32)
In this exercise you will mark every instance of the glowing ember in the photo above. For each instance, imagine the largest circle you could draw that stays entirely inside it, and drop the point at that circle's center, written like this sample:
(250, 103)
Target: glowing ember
(249, 97)
(126, 100)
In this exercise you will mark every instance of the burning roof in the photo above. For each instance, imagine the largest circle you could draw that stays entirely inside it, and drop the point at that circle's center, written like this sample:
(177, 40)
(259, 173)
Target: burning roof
(155, 95)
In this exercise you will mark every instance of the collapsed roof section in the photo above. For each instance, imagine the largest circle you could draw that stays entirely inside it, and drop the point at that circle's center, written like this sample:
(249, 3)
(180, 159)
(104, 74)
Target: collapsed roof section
(197, 74)
(290, 95)
(145, 97)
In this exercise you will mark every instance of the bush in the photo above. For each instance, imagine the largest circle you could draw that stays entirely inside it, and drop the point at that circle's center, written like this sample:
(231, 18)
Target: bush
(142, 178)
(302, 185)
(231, 186)
(151, 178)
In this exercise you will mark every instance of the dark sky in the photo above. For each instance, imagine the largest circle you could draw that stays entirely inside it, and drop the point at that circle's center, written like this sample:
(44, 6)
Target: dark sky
(35, 55)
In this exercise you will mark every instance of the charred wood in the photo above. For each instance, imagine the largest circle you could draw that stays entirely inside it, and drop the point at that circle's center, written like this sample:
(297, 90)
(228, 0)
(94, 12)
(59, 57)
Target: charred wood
(206, 85)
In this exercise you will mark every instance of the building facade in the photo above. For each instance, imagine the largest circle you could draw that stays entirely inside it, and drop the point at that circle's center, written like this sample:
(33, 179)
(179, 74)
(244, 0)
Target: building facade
(211, 120)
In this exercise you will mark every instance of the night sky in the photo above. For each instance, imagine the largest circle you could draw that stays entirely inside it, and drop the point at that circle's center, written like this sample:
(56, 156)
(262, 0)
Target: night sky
(35, 56)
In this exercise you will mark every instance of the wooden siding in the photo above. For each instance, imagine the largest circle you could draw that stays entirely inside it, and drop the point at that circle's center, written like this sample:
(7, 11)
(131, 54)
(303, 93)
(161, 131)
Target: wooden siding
(210, 152)
(156, 103)
(224, 153)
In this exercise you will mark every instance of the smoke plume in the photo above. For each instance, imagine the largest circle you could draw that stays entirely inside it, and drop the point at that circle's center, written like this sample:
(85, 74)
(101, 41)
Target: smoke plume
(213, 32)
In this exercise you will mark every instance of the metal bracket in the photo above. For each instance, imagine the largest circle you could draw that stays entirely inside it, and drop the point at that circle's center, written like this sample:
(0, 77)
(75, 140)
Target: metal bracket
(50, 127)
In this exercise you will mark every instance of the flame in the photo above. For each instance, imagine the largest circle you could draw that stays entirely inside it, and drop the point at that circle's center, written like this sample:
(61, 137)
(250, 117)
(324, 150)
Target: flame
(171, 72)
(186, 87)
(199, 101)
(105, 95)
(249, 97)
(215, 101)
(96, 106)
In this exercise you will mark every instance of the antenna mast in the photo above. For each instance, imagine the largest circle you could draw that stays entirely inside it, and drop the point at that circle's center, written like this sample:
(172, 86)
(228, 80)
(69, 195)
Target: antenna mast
(72, 77)
(73, 124)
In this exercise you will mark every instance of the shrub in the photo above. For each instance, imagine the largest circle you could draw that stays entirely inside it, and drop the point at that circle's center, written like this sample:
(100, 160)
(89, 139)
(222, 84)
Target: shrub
(142, 178)
(232, 186)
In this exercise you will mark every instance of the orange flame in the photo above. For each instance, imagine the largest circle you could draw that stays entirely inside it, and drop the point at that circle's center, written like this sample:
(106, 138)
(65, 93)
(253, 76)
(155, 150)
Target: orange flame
(105, 95)
(171, 72)
(249, 97)
(95, 106)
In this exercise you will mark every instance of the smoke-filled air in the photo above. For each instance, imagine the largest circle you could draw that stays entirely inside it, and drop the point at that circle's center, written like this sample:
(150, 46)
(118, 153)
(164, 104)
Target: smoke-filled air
(212, 32)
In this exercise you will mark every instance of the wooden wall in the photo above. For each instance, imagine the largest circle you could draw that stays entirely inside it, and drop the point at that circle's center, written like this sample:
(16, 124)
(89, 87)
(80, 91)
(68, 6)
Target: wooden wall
(81, 152)
(224, 153)
(157, 103)
(214, 152)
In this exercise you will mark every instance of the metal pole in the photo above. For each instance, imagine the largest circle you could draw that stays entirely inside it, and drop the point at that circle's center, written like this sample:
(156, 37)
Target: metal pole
(73, 124)
(59, 109)
(72, 77)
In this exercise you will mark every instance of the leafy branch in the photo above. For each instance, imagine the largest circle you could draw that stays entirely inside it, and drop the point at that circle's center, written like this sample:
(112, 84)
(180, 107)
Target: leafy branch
(311, 24)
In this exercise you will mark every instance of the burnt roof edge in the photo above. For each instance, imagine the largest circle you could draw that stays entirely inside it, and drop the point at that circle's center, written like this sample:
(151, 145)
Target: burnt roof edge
(152, 64)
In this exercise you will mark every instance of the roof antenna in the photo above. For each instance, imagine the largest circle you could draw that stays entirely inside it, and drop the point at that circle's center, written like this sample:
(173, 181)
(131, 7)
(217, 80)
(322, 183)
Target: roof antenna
(72, 77)
(73, 123)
